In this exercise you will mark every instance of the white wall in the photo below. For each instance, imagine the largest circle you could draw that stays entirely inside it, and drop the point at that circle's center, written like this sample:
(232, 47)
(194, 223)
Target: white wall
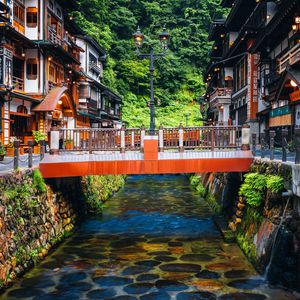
(81, 43)
(17, 102)
(31, 86)
(31, 32)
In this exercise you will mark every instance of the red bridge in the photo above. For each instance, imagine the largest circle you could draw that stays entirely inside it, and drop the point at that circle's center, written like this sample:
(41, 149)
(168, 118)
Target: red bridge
(81, 152)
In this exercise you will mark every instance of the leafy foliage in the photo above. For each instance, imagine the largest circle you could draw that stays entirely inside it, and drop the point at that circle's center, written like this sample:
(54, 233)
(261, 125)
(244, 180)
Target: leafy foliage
(275, 183)
(253, 188)
(97, 189)
(178, 79)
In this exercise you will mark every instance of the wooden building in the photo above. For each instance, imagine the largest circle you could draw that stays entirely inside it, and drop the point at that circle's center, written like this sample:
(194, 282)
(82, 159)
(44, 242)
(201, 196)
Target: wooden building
(42, 69)
(256, 53)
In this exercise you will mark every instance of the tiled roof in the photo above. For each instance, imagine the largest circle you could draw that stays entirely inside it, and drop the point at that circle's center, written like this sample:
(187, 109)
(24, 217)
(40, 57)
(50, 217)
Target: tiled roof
(51, 99)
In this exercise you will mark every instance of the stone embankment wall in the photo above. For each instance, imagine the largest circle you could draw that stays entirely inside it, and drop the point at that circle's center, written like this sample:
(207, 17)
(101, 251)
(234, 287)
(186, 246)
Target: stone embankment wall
(266, 224)
(36, 215)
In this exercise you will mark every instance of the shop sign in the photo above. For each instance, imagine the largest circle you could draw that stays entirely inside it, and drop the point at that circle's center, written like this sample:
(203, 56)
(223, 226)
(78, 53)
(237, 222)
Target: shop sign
(295, 96)
(6, 56)
(280, 111)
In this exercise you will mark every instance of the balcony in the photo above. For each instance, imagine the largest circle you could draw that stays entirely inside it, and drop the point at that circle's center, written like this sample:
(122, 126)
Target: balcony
(53, 37)
(18, 83)
(95, 67)
(220, 96)
(290, 58)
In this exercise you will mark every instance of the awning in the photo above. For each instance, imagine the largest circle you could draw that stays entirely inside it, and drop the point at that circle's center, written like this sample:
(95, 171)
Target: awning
(51, 100)
(85, 114)
(289, 74)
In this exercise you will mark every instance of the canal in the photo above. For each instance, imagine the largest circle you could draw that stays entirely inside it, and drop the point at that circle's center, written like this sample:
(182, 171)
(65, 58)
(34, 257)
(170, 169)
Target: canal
(155, 240)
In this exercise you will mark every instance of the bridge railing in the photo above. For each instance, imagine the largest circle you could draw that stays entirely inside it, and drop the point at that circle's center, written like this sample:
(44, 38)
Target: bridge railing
(132, 139)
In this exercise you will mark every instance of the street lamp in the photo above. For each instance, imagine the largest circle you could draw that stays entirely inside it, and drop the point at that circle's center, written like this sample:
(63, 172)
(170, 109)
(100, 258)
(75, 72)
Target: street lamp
(139, 41)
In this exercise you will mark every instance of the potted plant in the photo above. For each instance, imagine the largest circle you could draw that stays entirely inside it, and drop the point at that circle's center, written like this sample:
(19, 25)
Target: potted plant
(38, 136)
(69, 144)
(2, 152)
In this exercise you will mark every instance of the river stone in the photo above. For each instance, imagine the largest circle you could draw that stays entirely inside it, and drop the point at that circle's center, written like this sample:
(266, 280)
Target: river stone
(208, 285)
(246, 284)
(236, 274)
(101, 294)
(61, 295)
(51, 265)
(165, 258)
(196, 257)
(156, 296)
(205, 274)
(136, 270)
(219, 267)
(243, 296)
(148, 263)
(197, 296)
(170, 285)
(38, 282)
(74, 286)
(25, 293)
(181, 267)
(147, 277)
(124, 298)
(73, 277)
(123, 243)
(159, 240)
(112, 280)
(155, 253)
(138, 288)
(175, 244)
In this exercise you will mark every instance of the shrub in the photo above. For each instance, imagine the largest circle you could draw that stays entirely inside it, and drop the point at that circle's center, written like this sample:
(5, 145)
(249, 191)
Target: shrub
(253, 188)
(39, 182)
(275, 183)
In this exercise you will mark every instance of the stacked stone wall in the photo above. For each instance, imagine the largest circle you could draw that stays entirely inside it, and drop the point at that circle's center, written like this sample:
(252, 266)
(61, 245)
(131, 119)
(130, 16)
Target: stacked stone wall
(34, 217)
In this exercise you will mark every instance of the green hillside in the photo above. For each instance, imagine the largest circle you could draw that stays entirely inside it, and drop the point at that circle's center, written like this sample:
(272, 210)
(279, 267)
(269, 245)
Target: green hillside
(178, 76)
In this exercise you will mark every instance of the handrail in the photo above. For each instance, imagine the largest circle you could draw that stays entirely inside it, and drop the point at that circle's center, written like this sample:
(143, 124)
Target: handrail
(132, 139)
(291, 57)
(18, 83)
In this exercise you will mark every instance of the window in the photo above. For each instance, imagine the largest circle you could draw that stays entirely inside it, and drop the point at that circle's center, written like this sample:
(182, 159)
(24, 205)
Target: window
(31, 69)
(84, 91)
(241, 76)
(19, 12)
(56, 73)
(32, 17)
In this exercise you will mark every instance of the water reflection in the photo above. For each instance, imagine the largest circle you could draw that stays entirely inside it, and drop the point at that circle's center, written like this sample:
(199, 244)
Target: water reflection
(156, 240)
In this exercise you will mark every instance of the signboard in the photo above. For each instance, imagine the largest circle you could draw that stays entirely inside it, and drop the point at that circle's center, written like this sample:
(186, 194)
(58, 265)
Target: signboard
(252, 106)
(6, 56)
(295, 96)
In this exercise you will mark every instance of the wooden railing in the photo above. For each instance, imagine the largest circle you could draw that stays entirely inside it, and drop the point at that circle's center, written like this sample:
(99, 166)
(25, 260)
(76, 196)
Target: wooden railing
(290, 58)
(53, 37)
(220, 92)
(18, 83)
(132, 139)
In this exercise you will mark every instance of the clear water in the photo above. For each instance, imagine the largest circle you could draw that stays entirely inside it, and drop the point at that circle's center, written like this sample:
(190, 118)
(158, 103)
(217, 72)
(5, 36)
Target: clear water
(155, 240)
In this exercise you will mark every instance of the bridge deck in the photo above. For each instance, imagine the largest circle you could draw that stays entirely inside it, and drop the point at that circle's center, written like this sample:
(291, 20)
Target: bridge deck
(105, 163)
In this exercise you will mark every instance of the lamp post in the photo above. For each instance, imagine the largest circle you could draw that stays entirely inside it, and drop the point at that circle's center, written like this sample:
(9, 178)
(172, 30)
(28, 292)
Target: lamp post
(139, 40)
(187, 118)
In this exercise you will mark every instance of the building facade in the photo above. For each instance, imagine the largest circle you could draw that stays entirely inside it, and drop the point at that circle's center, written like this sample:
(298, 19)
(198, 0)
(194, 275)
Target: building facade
(44, 63)
(253, 76)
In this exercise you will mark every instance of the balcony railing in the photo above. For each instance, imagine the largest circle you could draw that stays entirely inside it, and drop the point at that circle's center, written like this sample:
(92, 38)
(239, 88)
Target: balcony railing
(95, 67)
(290, 58)
(220, 92)
(18, 83)
(53, 37)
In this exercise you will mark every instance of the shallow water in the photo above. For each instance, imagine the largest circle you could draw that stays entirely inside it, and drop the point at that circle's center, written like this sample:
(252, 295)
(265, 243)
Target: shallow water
(155, 240)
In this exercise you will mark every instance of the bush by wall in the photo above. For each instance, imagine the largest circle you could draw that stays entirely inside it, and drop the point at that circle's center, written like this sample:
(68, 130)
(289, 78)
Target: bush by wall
(98, 189)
